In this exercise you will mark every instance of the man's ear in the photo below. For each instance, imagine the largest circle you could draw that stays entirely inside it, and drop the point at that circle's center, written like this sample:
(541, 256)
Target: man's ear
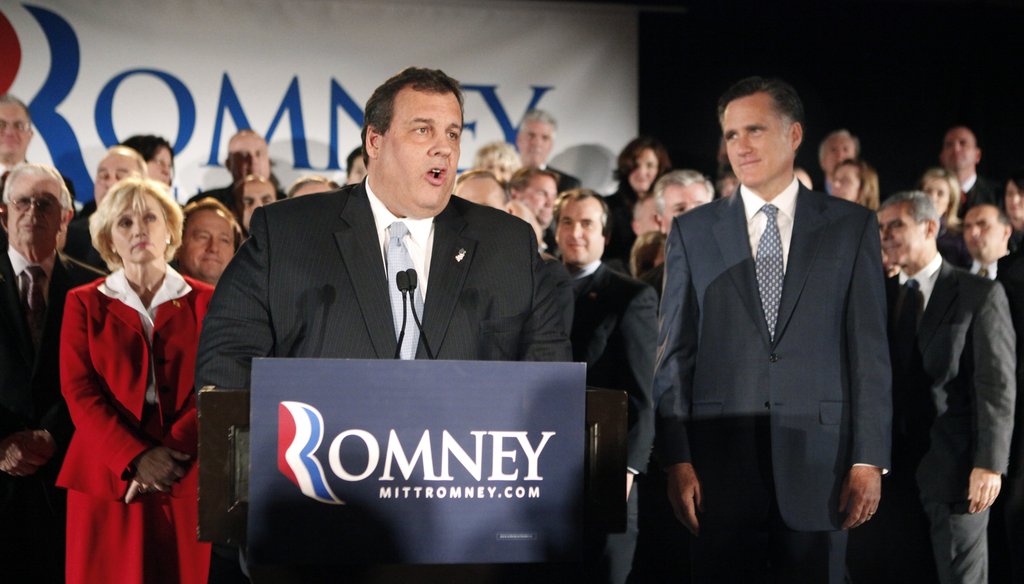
(373, 139)
(3, 215)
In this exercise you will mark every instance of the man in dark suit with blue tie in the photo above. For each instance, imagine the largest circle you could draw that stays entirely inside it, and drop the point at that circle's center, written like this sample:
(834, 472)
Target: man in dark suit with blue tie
(314, 280)
(772, 384)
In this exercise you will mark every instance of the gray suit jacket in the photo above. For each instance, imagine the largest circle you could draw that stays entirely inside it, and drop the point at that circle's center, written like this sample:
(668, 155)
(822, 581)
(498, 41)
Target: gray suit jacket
(968, 353)
(823, 384)
(310, 282)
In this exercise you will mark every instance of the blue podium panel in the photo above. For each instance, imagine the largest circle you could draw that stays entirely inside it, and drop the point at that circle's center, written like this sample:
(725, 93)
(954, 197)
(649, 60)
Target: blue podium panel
(384, 461)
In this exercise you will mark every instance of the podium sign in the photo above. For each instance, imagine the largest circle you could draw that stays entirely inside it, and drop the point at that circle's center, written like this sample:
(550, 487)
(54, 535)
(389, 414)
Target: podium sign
(371, 461)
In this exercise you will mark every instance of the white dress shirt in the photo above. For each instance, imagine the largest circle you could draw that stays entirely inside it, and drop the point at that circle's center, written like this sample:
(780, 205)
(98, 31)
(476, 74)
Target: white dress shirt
(20, 262)
(992, 268)
(756, 220)
(926, 278)
(174, 286)
(419, 241)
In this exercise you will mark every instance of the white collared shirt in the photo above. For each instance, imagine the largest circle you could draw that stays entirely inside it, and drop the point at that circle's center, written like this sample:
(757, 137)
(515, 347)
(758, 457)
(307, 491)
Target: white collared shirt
(992, 268)
(20, 262)
(116, 286)
(419, 241)
(969, 183)
(926, 278)
(756, 220)
(587, 270)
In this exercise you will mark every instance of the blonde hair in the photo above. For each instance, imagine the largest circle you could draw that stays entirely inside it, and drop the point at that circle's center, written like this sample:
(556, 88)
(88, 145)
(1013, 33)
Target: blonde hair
(129, 193)
(951, 218)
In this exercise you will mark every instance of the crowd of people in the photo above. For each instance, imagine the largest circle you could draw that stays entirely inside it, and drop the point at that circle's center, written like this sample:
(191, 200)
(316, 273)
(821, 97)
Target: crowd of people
(776, 352)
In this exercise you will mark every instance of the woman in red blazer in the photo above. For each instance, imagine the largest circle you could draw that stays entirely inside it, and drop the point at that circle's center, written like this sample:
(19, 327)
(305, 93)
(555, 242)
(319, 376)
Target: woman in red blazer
(128, 349)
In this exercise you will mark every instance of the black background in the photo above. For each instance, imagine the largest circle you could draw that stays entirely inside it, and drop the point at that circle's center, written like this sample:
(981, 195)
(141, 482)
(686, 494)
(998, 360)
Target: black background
(896, 74)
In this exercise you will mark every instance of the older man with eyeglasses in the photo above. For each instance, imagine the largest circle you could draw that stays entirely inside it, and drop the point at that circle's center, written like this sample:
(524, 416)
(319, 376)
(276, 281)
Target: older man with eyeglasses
(34, 422)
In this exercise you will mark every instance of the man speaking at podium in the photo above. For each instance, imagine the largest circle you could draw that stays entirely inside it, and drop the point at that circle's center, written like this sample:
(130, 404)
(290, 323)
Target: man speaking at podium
(312, 281)
(319, 276)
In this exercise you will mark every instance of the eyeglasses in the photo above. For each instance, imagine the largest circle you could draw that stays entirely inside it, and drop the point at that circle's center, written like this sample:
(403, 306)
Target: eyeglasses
(22, 204)
(20, 127)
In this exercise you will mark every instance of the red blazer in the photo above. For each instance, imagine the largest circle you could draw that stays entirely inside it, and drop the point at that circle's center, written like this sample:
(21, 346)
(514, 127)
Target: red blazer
(103, 373)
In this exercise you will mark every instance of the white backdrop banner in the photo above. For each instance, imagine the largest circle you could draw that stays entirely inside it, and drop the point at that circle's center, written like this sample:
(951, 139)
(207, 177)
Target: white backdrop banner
(300, 71)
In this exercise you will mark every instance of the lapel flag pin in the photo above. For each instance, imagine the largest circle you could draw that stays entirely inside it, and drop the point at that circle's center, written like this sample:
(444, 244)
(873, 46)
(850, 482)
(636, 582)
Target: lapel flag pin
(459, 256)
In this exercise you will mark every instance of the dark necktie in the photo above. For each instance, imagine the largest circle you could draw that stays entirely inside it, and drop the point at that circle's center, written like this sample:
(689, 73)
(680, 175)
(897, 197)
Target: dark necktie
(580, 285)
(33, 279)
(768, 265)
(907, 317)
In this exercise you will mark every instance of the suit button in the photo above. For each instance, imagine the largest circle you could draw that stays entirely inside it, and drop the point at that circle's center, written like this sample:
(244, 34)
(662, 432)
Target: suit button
(773, 358)
(767, 406)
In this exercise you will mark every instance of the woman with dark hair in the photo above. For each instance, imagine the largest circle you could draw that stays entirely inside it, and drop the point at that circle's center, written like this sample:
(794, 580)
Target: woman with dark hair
(640, 164)
(1014, 203)
(158, 154)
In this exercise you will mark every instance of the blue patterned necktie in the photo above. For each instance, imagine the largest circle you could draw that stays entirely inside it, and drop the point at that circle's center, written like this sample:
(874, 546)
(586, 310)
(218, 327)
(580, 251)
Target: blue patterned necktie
(769, 268)
(399, 260)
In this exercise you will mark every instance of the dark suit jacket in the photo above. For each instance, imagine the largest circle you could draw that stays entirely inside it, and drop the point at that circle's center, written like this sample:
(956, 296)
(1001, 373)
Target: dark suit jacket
(310, 282)
(78, 244)
(1011, 275)
(566, 181)
(615, 332)
(984, 191)
(967, 350)
(823, 384)
(30, 398)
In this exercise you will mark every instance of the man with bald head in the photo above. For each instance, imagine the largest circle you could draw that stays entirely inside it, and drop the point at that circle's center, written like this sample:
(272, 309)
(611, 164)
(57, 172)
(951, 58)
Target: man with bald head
(483, 188)
(34, 423)
(248, 154)
(960, 155)
(118, 163)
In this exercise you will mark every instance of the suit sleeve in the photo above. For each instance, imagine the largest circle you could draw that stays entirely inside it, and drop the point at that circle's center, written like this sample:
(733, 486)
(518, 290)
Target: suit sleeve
(183, 435)
(868, 354)
(677, 354)
(544, 336)
(995, 384)
(97, 421)
(640, 331)
(238, 325)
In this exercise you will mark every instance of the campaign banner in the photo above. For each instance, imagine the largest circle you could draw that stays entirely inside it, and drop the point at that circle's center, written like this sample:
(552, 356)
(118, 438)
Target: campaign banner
(422, 462)
(299, 72)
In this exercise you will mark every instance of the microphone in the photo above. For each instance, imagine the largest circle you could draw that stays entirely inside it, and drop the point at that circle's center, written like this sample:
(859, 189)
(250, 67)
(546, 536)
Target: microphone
(411, 275)
(402, 281)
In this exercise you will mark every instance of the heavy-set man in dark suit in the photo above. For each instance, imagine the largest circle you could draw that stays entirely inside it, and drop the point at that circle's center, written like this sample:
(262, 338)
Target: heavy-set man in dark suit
(312, 282)
(953, 358)
(34, 423)
(774, 411)
(1010, 503)
(614, 331)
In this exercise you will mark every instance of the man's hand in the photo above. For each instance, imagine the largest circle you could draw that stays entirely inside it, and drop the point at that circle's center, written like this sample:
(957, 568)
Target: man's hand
(862, 490)
(158, 468)
(22, 453)
(982, 489)
(685, 495)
